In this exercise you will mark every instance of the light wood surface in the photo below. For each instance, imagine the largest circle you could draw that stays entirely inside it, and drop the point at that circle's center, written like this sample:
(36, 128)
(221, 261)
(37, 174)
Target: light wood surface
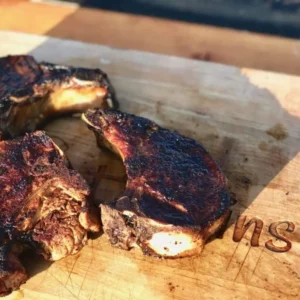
(247, 119)
(238, 48)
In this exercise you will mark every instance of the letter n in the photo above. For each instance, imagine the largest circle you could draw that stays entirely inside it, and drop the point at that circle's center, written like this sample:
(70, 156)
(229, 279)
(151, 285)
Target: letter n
(241, 228)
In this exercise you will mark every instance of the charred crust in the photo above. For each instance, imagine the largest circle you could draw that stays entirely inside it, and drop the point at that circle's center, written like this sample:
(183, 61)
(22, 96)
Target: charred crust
(173, 186)
(176, 169)
(44, 204)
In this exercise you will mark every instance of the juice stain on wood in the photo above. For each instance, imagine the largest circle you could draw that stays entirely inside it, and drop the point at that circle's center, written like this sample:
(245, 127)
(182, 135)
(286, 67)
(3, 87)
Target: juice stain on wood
(278, 132)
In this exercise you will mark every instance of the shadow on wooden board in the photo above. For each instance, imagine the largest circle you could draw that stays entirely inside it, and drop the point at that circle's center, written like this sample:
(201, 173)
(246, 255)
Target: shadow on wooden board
(279, 17)
(248, 120)
(182, 39)
(230, 111)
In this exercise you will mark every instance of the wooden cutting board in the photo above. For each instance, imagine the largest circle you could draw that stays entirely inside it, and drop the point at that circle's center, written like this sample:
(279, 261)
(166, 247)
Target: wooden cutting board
(250, 122)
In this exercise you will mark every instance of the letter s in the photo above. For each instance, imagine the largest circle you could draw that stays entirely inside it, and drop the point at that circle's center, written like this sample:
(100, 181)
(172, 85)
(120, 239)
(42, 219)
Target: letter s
(273, 231)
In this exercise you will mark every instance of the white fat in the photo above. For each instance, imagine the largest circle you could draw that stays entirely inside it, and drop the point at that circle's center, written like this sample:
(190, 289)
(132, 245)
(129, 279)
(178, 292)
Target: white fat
(128, 213)
(61, 153)
(82, 82)
(159, 224)
(109, 102)
(58, 67)
(179, 207)
(170, 243)
(72, 98)
(59, 253)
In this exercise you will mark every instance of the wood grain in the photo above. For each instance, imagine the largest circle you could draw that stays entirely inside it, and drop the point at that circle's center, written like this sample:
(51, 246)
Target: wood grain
(229, 110)
(238, 48)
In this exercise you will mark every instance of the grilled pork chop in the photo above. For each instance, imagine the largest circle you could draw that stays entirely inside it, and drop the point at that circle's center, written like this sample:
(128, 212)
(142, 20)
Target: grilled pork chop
(43, 205)
(175, 196)
(30, 93)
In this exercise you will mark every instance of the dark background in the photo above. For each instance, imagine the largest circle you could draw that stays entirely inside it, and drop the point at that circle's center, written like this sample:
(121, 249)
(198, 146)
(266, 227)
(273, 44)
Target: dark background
(279, 17)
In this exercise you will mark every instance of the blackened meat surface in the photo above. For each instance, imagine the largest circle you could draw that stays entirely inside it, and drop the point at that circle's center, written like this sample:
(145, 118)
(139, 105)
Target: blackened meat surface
(43, 205)
(175, 196)
(31, 92)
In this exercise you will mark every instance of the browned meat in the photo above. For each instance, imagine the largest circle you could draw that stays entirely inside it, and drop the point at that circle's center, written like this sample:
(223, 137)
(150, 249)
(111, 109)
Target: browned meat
(175, 197)
(43, 205)
(12, 273)
(30, 93)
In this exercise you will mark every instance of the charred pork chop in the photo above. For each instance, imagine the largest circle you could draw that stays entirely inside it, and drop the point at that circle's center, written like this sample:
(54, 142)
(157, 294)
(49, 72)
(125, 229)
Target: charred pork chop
(175, 197)
(43, 205)
(30, 93)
